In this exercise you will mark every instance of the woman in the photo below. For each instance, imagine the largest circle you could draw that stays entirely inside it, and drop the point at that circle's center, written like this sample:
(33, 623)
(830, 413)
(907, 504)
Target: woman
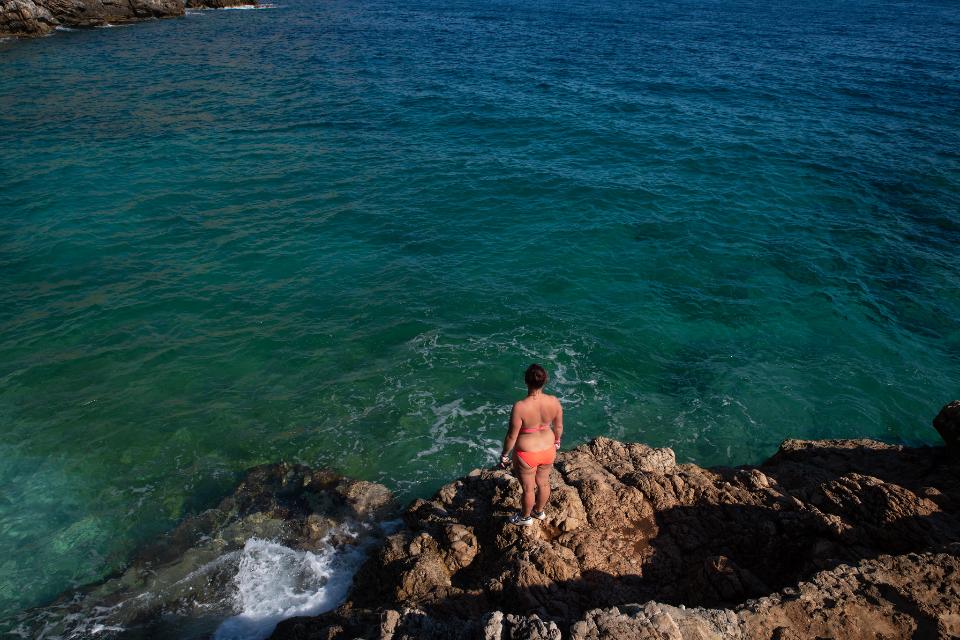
(536, 444)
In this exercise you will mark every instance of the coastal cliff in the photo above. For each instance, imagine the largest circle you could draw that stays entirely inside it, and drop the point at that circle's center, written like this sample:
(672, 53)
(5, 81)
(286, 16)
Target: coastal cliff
(835, 538)
(31, 18)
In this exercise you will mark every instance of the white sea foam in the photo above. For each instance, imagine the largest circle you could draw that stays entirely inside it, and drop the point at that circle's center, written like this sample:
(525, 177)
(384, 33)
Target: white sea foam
(100, 628)
(251, 7)
(272, 582)
(275, 582)
(60, 27)
(447, 415)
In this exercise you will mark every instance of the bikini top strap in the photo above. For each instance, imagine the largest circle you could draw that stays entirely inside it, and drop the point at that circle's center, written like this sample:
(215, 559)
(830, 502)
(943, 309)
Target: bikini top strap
(542, 427)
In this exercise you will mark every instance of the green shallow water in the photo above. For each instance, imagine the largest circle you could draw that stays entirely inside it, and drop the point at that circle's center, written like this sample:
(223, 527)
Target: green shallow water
(336, 233)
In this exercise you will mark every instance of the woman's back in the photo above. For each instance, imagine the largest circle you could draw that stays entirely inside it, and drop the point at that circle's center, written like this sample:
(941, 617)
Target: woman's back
(538, 410)
(537, 414)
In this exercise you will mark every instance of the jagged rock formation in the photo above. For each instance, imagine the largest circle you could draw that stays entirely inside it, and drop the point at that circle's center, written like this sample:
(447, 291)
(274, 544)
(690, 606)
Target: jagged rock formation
(40, 17)
(838, 538)
(25, 18)
(189, 573)
(29, 18)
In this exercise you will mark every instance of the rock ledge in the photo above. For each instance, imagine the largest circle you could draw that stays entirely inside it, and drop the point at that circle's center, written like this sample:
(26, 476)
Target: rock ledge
(836, 538)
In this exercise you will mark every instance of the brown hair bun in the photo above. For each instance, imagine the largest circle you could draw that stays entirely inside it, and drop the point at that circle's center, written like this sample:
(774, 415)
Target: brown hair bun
(535, 377)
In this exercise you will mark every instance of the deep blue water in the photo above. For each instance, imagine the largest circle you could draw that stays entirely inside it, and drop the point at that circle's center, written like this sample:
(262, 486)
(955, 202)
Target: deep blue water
(336, 231)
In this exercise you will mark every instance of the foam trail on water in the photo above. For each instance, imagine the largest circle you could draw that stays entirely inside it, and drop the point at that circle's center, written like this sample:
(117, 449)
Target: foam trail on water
(275, 582)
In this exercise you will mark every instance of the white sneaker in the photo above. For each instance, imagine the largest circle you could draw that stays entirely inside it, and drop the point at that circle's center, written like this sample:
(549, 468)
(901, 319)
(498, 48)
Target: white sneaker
(539, 515)
(520, 521)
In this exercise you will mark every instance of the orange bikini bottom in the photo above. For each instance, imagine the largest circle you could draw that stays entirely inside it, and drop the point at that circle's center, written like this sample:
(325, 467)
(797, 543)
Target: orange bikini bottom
(536, 458)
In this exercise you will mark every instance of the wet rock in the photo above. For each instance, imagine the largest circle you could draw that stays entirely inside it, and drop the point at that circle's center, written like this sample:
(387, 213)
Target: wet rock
(190, 572)
(847, 537)
(947, 424)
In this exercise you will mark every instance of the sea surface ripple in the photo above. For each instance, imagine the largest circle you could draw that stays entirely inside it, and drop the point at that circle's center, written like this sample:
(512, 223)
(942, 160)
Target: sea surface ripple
(336, 231)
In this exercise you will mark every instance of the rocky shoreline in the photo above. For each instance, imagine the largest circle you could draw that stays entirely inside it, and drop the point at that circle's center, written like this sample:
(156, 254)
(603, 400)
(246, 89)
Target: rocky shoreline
(34, 18)
(850, 539)
(282, 521)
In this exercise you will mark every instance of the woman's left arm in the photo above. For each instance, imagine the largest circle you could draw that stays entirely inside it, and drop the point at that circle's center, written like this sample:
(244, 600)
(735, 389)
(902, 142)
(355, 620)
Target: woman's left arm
(513, 430)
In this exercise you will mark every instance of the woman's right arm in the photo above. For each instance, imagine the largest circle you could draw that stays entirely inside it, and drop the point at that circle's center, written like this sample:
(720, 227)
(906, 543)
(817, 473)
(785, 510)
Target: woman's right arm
(513, 431)
(558, 426)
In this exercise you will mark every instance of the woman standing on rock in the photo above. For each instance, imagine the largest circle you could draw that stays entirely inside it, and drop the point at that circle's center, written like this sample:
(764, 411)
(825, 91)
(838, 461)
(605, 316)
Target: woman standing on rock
(536, 444)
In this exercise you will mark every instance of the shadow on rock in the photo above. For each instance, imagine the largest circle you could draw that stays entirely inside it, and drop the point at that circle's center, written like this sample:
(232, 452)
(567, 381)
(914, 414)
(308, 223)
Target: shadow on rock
(864, 527)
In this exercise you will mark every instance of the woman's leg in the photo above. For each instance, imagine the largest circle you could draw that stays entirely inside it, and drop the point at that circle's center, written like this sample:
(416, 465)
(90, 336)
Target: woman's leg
(542, 478)
(528, 481)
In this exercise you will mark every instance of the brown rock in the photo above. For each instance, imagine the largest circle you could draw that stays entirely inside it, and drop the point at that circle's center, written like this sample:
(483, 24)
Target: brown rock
(25, 18)
(462, 546)
(808, 539)
(91, 13)
(40, 17)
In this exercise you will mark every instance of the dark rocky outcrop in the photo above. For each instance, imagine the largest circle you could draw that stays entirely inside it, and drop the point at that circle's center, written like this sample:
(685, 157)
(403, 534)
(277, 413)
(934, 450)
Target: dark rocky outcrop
(28, 18)
(25, 18)
(186, 579)
(40, 17)
(947, 424)
(836, 538)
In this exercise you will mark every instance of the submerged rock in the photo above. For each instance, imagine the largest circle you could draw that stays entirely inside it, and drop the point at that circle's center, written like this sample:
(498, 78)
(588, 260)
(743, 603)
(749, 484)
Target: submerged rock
(275, 526)
(834, 538)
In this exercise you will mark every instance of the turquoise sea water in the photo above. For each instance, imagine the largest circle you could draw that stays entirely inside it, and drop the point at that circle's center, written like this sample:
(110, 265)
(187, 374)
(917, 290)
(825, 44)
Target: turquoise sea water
(336, 231)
